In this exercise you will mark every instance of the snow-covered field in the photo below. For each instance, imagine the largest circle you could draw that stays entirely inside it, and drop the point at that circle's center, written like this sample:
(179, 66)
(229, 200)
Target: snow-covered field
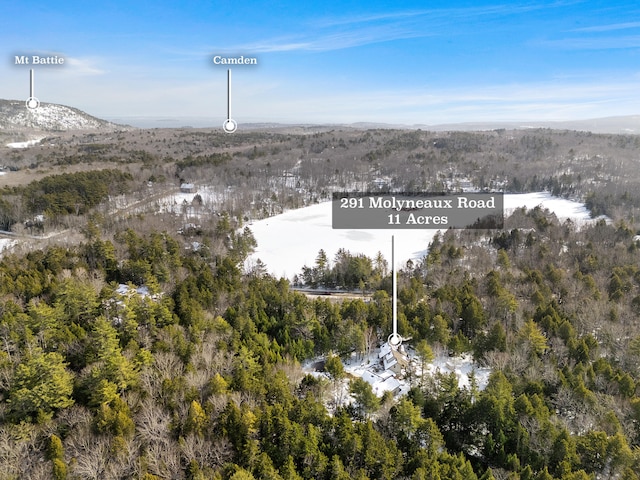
(562, 207)
(291, 240)
(27, 144)
(6, 243)
(288, 241)
(179, 201)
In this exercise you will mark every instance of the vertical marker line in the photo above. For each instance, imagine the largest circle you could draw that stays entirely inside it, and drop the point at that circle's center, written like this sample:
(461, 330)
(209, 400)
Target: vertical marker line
(31, 84)
(395, 289)
(228, 93)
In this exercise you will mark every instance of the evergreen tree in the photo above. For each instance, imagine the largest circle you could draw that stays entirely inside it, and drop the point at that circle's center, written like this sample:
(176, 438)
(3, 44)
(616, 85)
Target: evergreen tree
(531, 334)
(41, 385)
(367, 402)
(425, 354)
(111, 371)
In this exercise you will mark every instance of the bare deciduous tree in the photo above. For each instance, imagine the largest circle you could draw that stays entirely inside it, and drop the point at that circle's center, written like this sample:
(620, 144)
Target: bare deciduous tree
(152, 423)
(213, 454)
(89, 454)
(163, 460)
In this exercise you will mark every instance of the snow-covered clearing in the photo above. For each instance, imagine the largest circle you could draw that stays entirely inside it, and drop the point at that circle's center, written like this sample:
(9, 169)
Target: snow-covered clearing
(562, 207)
(183, 202)
(27, 144)
(128, 290)
(370, 368)
(6, 243)
(288, 241)
(462, 366)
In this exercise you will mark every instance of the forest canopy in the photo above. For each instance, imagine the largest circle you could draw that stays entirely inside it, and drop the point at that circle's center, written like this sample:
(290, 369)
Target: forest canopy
(198, 376)
(149, 350)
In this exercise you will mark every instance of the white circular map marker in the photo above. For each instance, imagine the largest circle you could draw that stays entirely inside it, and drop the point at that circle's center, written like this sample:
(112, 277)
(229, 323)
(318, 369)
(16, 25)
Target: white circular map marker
(394, 340)
(229, 125)
(32, 103)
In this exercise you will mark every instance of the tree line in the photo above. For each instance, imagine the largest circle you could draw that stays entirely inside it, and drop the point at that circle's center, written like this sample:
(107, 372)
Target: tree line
(55, 196)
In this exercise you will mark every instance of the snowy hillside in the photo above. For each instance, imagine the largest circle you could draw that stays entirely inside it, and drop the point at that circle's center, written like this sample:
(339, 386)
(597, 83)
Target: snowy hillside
(14, 115)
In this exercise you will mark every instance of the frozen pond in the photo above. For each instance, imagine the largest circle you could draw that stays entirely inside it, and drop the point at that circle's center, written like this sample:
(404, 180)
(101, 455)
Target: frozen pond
(291, 240)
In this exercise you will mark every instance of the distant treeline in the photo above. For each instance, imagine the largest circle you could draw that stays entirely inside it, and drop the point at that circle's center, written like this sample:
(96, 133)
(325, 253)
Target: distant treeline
(347, 271)
(63, 194)
(73, 193)
(214, 160)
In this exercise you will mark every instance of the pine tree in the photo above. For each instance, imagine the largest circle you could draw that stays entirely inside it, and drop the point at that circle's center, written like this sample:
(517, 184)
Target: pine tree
(531, 334)
(425, 354)
(196, 419)
(111, 372)
(366, 400)
(41, 385)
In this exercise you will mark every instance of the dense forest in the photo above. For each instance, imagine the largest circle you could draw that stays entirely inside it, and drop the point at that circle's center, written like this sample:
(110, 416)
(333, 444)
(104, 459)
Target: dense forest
(139, 352)
(193, 370)
(56, 196)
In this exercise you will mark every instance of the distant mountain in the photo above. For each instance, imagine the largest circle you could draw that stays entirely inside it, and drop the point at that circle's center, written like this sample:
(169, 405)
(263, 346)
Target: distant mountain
(608, 125)
(49, 117)
(629, 124)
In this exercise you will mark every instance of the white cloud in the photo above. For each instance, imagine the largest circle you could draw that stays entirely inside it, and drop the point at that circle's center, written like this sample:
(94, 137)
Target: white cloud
(333, 40)
(84, 66)
(535, 101)
(341, 32)
(595, 43)
(608, 28)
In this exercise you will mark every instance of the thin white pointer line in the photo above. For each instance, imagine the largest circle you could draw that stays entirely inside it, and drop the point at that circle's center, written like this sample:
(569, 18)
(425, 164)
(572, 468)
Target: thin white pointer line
(228, 94)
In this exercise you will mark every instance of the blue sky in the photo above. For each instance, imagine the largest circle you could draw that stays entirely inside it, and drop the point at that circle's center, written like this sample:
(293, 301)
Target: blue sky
(330, 62)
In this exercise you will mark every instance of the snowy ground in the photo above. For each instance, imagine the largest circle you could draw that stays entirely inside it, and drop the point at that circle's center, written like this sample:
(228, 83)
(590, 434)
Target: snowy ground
(27, 144)
(462, 366)
(177, 202)
(6, 243)
(291, 240)
(561, 207)
(370, 369)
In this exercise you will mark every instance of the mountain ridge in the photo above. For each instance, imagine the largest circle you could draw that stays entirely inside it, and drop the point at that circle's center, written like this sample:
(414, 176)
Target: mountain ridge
(16, 119)
(49, 118)
(625, 124)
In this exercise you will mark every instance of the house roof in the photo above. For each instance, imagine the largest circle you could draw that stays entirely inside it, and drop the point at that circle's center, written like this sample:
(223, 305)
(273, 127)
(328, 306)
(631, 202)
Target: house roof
(385, 349)
(391, 384)
(389, 361)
